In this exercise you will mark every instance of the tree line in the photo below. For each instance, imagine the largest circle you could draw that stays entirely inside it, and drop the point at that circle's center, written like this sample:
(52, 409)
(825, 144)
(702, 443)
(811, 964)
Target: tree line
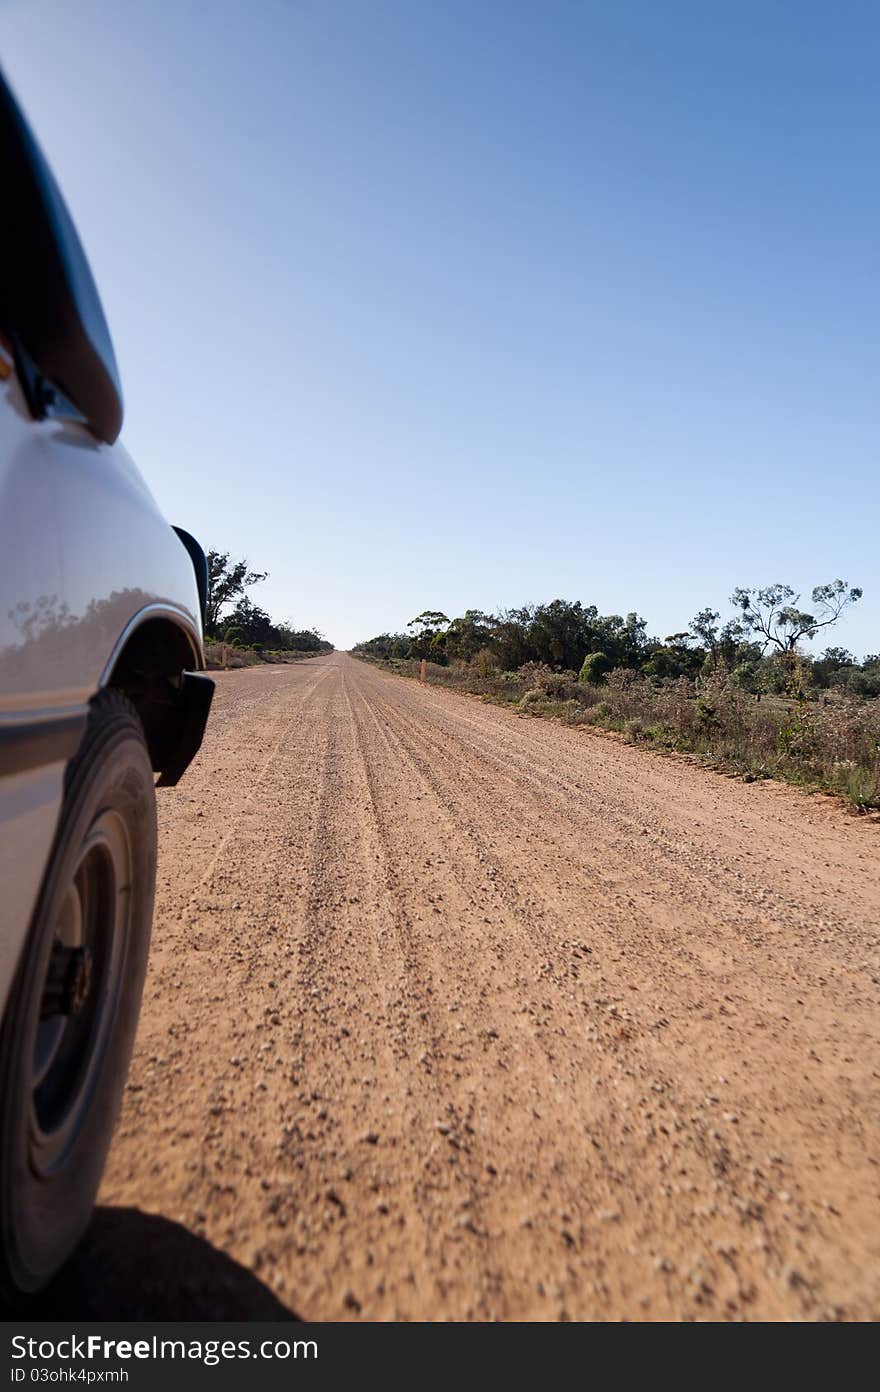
(760, 644)
(232, 617)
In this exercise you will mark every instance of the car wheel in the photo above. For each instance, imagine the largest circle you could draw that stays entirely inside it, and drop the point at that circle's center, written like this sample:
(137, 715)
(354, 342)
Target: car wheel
(71, 1017)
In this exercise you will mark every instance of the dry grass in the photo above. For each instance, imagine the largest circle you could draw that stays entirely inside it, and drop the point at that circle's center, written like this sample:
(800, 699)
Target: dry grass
(248, 657)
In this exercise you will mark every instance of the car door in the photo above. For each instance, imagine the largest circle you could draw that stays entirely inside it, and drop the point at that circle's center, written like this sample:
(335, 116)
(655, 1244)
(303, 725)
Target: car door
(40, 721)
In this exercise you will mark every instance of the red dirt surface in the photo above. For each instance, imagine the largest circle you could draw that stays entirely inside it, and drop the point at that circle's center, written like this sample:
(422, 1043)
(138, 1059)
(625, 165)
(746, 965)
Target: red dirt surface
(457, 1014)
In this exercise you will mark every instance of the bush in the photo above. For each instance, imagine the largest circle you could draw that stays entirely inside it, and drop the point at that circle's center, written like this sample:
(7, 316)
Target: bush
(594, 668)
(556, 686)
(532, 672)
(864, 682)
(483, 663)
(533, 698)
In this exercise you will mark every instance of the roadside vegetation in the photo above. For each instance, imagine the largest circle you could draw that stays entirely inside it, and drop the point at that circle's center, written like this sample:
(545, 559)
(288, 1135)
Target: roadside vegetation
(238, 633)
(743, 694)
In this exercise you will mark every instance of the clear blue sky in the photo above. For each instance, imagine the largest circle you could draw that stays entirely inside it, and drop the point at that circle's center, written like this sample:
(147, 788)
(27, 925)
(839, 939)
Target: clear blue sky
(451, 304)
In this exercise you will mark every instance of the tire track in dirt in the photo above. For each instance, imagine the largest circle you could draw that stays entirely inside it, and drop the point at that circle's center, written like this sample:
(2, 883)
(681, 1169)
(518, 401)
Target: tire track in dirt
(757, 1199)
(474, 1016)
(621, 1027)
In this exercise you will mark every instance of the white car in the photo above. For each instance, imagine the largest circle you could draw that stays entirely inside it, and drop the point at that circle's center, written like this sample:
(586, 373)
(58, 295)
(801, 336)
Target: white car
(101, 613)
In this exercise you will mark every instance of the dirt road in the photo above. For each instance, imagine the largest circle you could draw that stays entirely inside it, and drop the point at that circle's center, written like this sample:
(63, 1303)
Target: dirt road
(455, 1013)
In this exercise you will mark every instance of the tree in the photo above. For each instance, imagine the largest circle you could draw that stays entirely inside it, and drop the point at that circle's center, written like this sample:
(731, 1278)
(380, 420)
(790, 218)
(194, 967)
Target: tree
(561, 633)
(227, 582)
(833, 667)
(510, 638)
(469, 634)
(722, 643)
(288, 638)
(773, 616)
(623, 640)
(838, 657)
(428, 630)
(674, 657)
(704, 627)
(253, 625)
(865, 680)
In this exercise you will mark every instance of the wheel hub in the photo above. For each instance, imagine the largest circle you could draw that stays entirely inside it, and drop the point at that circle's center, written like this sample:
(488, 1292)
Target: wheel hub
(68, 981)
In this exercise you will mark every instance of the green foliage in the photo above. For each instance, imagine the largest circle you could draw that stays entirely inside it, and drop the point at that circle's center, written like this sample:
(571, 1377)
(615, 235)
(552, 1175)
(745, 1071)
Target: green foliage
(864, 680)
(720, 642)
(533, 697)
(484, 662)
(772, 614)
(469, 636)
(246, 625)
(562, 635)
(428, 635)
(707, 721)
(745, 675)
(556, 686)
(252, 624)
(674, 657)
(593, 669)
(832, 668)
(299, 639)
(227, 581)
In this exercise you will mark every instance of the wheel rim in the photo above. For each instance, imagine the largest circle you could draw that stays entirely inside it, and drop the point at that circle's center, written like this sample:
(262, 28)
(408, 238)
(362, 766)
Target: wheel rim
(80, 991)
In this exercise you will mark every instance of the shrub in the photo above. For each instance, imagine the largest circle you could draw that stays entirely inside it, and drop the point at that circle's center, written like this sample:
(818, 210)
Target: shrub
(707, 721)
(594, 668)
(623, 679)
(484, 663)
(532, 698)
(555, 686)
(865, 682)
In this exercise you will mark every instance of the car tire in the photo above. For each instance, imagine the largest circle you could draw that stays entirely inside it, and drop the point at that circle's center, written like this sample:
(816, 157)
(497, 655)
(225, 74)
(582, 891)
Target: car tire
(72, 1013)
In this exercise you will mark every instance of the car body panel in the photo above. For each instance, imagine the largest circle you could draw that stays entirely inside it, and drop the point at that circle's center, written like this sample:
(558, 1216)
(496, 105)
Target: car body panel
(105, 555)
(85, 557)
(29, 806)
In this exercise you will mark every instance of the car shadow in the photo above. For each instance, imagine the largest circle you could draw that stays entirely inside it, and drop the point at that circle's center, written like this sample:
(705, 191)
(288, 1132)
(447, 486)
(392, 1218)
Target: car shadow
(140, 1266)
